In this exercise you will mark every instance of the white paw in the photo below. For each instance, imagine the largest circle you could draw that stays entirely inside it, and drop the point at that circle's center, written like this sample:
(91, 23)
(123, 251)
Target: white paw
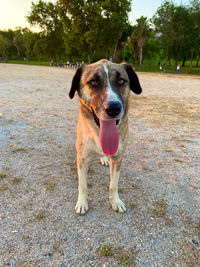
(81, 207)
(105, 161)
(118, 205)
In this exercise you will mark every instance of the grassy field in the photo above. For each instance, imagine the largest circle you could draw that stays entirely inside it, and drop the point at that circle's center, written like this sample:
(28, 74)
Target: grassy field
(31, 62)
(145, 68)
(170, 69)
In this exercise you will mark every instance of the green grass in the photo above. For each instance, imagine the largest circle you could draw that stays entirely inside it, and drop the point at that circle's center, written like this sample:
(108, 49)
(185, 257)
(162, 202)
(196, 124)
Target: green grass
(41, 215)
(125, 260)
(18, 149)
(171, 69)
(16, 180)
(31, 62)
(3, 187)
(145, 67)
(107, 251)
(49, 185)
(133, 205)
(2, 175)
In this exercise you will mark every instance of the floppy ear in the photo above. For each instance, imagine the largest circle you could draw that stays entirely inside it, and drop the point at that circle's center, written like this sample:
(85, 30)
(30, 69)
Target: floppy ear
(133, 78)
(75, 82)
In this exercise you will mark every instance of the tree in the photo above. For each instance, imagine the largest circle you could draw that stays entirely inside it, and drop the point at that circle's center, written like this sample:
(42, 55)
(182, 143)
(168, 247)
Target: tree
(3, 46)
(18, 41)
(50, 18)
(194, 11)
(163, 26)
(97, 23)
(139, 35)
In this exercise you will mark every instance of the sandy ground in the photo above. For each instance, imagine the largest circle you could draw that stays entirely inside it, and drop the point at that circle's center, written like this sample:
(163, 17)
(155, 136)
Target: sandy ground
(159, 180)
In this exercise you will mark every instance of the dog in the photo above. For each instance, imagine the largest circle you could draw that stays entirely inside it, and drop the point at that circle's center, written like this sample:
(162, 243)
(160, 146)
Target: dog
(103, 89)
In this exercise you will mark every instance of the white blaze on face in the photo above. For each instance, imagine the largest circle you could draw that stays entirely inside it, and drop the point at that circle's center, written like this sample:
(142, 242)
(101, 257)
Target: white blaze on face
(111, 96)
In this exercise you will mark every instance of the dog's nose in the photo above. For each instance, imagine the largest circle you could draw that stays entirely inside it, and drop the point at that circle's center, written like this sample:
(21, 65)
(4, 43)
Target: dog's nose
(113, 109)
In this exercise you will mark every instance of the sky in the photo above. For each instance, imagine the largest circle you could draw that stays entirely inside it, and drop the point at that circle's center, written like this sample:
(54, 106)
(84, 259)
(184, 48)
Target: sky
(13, 12)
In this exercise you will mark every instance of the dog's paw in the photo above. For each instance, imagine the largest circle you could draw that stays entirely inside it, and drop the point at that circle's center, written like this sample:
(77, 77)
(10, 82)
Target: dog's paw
(81, 207)
(105, 161)
(118, 205)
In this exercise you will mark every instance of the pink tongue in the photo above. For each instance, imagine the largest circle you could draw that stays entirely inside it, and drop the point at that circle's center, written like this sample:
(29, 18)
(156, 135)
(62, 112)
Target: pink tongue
(109, 137)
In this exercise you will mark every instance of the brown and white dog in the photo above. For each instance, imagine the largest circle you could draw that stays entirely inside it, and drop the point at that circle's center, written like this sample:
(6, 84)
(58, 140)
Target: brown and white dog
(103, 89)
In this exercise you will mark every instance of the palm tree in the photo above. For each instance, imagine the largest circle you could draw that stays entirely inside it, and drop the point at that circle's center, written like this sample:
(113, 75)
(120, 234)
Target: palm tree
(139, 36)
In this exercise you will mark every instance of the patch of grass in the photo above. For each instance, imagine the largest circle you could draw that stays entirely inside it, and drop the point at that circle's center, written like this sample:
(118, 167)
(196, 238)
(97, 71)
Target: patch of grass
(168, 150)
(160, 208)
(133, 205)
(16, 180)
(161, 203)
(3, 187)
(107, 250)
(41, 215)
(178, 160)
(18, 149)
(120, 190)
(49, 185)
(125, 260)
(145, 168)
(198, 226)
(25, 237)
(2, 175)
(182, 146)
(30, 62)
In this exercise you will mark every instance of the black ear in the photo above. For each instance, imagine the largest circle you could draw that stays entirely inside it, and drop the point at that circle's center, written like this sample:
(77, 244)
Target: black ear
(75, 82)
(133, 78)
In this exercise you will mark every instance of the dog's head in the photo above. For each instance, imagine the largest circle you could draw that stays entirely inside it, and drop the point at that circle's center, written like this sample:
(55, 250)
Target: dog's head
(104, 88)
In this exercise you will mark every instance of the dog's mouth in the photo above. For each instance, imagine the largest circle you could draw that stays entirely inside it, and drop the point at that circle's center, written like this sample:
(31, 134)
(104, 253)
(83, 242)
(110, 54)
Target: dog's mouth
(109, 138)
(97, 121)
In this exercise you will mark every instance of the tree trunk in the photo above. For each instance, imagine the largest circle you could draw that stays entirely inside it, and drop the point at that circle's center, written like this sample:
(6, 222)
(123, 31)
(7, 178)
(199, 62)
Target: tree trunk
(197, 63)
(89, 59)
(117, 49)
(106, 52)
(140, 57)
(18, 53)
(183, 63)
(191, 58)
(169, 62)
(176, 62)
(124, 50)
(166, 59)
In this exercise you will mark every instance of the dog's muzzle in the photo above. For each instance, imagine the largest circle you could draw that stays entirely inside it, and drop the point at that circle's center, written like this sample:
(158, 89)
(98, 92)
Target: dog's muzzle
(96, 119)
(113, 109)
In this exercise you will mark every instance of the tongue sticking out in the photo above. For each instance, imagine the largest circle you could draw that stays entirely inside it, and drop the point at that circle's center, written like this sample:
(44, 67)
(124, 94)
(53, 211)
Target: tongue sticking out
(109, 137)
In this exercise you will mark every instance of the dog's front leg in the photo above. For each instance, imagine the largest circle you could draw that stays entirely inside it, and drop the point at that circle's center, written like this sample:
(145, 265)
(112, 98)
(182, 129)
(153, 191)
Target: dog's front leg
(115, 201)
(82, 203)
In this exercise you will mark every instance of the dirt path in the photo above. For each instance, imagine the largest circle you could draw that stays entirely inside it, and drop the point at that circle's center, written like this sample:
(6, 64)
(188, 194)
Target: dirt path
(38, 182)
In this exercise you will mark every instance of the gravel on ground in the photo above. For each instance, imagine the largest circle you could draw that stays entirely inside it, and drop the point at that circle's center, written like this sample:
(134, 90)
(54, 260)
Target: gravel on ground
(159, 182)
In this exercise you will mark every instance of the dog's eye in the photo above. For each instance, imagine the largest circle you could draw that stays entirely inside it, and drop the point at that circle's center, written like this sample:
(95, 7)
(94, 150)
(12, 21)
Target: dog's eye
(93, 83)
(121, 81)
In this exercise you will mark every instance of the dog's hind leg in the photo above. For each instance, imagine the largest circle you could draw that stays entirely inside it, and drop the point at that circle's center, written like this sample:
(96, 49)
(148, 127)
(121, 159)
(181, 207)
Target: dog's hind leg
(82, 203)
(105, 161)
(115, 201)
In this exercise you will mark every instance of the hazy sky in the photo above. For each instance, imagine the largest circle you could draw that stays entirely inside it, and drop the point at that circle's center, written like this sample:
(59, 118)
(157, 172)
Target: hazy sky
(13, 12)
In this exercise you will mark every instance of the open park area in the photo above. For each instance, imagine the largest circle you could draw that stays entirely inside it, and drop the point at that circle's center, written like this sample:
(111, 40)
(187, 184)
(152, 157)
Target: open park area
(159, 181)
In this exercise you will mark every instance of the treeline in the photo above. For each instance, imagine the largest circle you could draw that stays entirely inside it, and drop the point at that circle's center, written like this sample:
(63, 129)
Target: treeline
(93, 29)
